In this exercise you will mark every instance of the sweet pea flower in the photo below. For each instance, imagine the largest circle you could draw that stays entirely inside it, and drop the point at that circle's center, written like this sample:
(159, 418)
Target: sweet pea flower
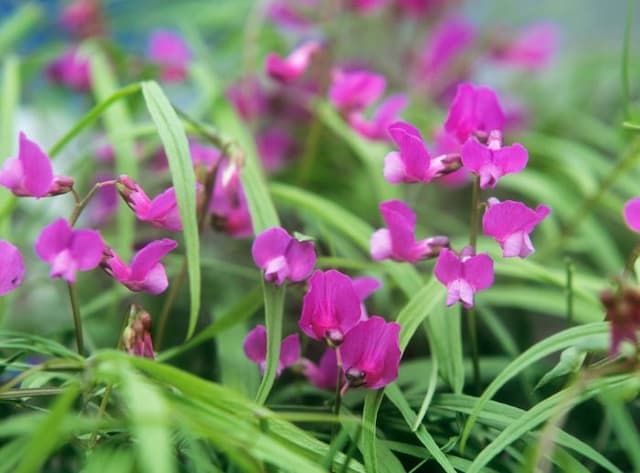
(203, 155)
(378, 127)
(69, 250)
(463, 275)
(413, 163)
(255, 348)
(11, 267)
(475, 109)
(325, 374)
(352, 91)
(249, 98)
(447, 144)
(72, 69)
(30, 174)
(169, 51)
(82, 18)
(283, 257)
(364, 287)
(229, 206)
(532, 49)
(398, 241)
(330, 308)
(493, 161)
(509, 223)
(371, 353)
(632, 214)
(146, 273)
(293, 66)
(161, 212)
(274, 145)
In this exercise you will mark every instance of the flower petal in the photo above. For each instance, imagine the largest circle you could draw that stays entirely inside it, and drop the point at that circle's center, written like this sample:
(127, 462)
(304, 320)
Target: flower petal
(146, 259)
(448, 267)
(54, 238)
(11, 267)
(255, 344)
(86, 249)
(478, 271)
(36, 166)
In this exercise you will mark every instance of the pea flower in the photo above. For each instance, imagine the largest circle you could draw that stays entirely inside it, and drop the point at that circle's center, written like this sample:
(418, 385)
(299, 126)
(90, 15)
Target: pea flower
(293, 66)
(11, 267)
(632, 214)
(493, 161)
(510, 223)
(330, 308)
(371, 353)
(68, 250)
(169, 51)
(623, 313)
(413, 163)
(161, 212)
(82, 18)
(378, 127)
(255, 348)
(397, 241)
(532, 49)
(283, 257)
(249, 97)
(275, 145)
(229, 206)
(463, 275)
(354, 90)
(325, 374)
(475, 109)
(30, 174)
(446, 143)
(72, 69)
(136, 336)
(146, 273)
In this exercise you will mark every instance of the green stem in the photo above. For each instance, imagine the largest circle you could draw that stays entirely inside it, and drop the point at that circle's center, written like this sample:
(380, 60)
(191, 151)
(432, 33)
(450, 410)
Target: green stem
(471, 313)
(168, 304)
(30, 392)
(77, 320)
(570, 290)
(82, 204)
(338, 396)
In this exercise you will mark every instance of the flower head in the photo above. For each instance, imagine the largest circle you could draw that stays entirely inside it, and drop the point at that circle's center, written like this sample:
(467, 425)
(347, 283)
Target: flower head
(161, 212)
(532, 49)
(378, 127)
(364, 287)
(464, 275)
(632, 214)
(293, 66)
(325, 374)
(353, 91)
(170, 52)
(274, 145)
(371, 353)
(283, 257)
(82, 18)
(510, 223)
(136, 337)
(72, 69)
(30, 174)
(69, 250)
(229, 206)
(146, 273)
(475, 109)
(11, 267)
(255, 348)
(330, 308)
(398, 241)
(249, 98)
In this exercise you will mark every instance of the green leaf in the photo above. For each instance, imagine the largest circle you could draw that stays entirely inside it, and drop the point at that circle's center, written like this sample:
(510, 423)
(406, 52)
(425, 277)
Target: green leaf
(423, 303)
(571, 361)
(445, 336)
(369, 435)
(20, 24)
(273, 310)
(625, 429)
(176, 147)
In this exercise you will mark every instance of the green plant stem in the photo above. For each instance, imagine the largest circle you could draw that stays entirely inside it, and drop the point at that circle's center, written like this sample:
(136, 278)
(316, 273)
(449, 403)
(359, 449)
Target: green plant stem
(471, 313)
(82, 204)
(77, 320)
(55, 364)
(569, 290)
(30, 392)
(338, 395)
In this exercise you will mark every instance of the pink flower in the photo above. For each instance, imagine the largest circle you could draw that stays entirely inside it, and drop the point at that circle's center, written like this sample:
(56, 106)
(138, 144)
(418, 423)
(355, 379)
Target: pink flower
(161, 212)
(364, 287)
(249, 98)
(365, 6)
(532, 49)
(510, 223)
(413, 162)
(30, 174)
(475, 109)
(371, 353)
(632, 214)
(420, 7)
(146, 273)
(290, 14)
(169, 51)
(325, 374)
(330, 308)
(464, 275)
(283, 257)
(493, 161)
(352, 91)
(274, 145)
(378, 127)
(69, 250)
(398, 241)
(446, 143)
(72, 69)
(229, 203)
(255, 348)
(11, 267)
(293, 66)
(82, 18)
(136, 336)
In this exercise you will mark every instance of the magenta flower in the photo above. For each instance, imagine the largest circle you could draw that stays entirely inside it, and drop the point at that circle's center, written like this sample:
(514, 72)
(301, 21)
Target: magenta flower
(413, 163)
(161, 212)
(229, 203)
(364, 287)
(169, 51)
(325, 374)
(274, 145)
(371, 353)
(249, 98)
(203, 155)
(493, 161)
(330, 308)
(365, 6)
(82, 18)
(378, 127)
(475, 109)
(632, 214)
(255, 348)
(72, 69)
(464, 275)
(291, 14)
(30, 174)
(509, 223)
(623, 314)
(352, 91)
(11, 267)
(446, 143)
(414, 8)
(68, 250)
(282, 257)
(398, 241)
(146, 273)
(532, 49)
(293, 66)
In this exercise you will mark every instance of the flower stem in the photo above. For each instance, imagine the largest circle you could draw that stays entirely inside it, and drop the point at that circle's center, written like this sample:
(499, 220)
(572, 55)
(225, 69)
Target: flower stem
(471, 313)
(77, 320)
(82, 204)
(338, 401)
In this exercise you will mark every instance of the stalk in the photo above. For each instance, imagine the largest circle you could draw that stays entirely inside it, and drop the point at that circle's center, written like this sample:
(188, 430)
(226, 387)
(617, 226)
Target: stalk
(471, 313)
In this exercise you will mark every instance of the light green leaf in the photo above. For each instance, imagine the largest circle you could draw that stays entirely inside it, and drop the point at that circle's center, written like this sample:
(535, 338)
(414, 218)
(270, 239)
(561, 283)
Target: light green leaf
(571, 361)
(369, 435)
(445, 336)
(18, 25)
(273, 308)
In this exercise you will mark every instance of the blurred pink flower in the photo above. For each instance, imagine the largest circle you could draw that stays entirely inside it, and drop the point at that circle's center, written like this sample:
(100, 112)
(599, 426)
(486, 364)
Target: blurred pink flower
(11, 267)
(82, 18)
(161, 212)
(229, 205)
(378, 127)
(475, 109)
(249, 98)
(291, 14)
(169, 51)
(463, 275)
(294, 65)
(72, 69)
(352, 91)
(632, 214)
(274, 145)
(255, 348)
(532, 49)
(325, 374)
(283, 257)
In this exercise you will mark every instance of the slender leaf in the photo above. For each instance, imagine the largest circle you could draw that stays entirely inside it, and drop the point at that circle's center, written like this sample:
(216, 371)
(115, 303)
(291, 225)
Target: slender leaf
(273, 308)
(18, 25)
(369, 436)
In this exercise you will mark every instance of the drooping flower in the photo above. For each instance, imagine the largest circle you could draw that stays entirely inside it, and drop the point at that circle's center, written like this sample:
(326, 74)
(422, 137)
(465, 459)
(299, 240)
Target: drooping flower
(371, 353)
(493, 161)
(378, 127)
(352, 91)
(632, 214)
(510, 223)
(475, 109)
(463, 275)
(532, 49)
(623, 313)
(146, 273)
(275, 145)
(169, 51)
(161, 212)
(398, 241)
(72, 69)
(11, 267)
(136, 336)
(283, 257)
(293, 66)
(330, 308)
(82, 18)
(255, 348)
(30, 174)
(69, 250)
(325, 374)
(413, 163)
(229, 206)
